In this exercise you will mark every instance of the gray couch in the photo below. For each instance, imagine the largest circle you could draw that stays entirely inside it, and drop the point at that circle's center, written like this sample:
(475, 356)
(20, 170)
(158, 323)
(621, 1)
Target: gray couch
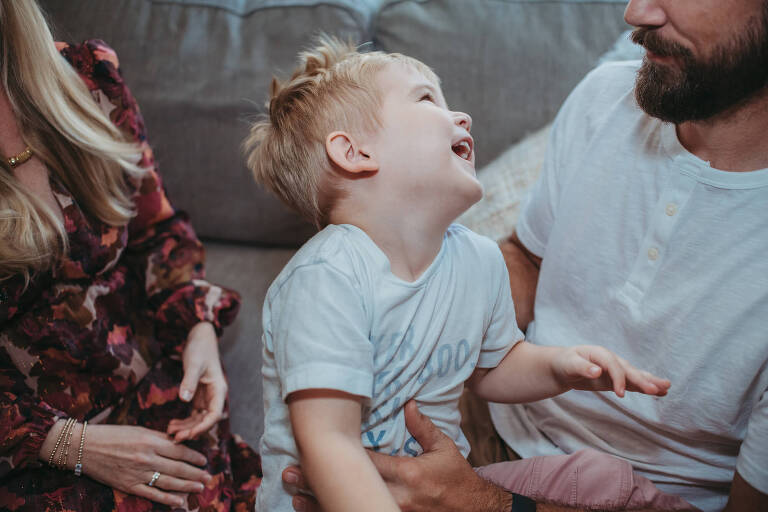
(200, 70)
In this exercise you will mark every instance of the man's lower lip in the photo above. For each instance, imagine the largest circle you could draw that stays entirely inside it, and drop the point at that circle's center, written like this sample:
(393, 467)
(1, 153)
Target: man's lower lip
(658, 58)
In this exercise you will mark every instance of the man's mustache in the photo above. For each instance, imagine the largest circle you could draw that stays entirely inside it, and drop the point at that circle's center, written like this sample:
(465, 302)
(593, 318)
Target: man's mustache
(651, 40)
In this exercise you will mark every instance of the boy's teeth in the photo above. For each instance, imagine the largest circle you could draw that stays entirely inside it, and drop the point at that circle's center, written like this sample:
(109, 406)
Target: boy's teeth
(462, 149)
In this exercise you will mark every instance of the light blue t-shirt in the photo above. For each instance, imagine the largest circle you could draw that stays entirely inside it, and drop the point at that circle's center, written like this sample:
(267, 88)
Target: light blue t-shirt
(337, 318)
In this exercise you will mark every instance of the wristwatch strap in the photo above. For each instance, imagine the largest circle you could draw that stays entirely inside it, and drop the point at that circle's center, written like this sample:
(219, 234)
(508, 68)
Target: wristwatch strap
(522, 504)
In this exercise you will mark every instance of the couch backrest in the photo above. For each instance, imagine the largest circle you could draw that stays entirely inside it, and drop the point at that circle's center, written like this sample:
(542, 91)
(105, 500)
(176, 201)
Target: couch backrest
(200, 70)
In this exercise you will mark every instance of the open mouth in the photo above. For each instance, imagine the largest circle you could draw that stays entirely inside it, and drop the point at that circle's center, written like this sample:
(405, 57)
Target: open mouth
(463, 148)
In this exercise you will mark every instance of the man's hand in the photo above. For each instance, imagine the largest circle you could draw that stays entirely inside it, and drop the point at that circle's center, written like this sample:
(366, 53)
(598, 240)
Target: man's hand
(439, 479)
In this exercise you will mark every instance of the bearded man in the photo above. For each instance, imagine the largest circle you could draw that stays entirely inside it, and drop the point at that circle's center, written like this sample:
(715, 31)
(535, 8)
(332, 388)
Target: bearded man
(648, 234)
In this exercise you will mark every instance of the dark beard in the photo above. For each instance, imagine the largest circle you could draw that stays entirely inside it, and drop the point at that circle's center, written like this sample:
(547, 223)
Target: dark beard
(700, 90)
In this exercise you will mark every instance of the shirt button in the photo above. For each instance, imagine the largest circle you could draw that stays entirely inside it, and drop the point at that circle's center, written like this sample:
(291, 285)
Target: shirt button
(671, 209)
(653, 253)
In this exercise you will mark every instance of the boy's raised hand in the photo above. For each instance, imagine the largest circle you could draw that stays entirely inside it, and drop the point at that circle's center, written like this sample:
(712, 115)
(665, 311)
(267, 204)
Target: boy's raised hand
(594, 368)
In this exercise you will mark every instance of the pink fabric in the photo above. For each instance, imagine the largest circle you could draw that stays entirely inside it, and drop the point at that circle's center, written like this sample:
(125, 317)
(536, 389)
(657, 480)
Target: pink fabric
(586, 479)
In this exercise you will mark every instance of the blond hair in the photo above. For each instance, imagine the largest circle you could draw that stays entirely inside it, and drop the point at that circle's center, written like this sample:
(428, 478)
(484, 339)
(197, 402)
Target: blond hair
(59, 119)
(333, 88)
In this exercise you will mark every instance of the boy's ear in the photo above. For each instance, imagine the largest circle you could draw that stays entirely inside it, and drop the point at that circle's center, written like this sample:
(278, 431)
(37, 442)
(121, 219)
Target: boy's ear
(346, 153)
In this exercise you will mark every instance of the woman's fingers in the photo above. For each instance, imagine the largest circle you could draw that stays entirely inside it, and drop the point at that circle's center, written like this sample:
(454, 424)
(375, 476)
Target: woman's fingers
(183, 471)
(159, 496)
(208, 421)
(181, 428)
(181, 453)
(215, 395)
(171, 483)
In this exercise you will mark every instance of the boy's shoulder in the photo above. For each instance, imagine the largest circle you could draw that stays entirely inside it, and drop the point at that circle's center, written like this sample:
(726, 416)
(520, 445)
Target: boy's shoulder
(466, 239)
(334, 248)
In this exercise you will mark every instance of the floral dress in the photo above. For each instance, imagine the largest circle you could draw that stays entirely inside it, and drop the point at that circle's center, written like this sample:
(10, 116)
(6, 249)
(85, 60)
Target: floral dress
(99, 337)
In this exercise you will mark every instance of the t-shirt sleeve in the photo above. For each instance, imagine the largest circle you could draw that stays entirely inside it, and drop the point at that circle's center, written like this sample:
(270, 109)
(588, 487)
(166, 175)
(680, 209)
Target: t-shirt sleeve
(568, 137)
(753, 455)
(538, 212)
(502, 333)
(319, 332)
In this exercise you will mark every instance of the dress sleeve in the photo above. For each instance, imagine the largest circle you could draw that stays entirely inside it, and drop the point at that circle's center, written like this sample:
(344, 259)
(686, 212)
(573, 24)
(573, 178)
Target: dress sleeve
(24, 419)
(163, 250)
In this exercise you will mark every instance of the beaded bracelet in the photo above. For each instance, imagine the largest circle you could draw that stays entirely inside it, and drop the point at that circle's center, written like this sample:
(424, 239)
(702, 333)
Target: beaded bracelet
(58, 441)
(79, 464)
(61, 461)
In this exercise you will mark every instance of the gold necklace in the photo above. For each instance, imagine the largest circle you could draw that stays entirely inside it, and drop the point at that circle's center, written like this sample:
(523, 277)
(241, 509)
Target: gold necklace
(17, 160)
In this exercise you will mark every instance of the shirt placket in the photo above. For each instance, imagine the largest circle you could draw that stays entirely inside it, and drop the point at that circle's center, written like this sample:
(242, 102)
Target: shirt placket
(661, 228)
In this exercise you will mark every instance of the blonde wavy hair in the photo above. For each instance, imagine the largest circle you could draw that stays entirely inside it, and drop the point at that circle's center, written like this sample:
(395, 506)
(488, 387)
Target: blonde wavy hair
(333, 88)
(59, 119)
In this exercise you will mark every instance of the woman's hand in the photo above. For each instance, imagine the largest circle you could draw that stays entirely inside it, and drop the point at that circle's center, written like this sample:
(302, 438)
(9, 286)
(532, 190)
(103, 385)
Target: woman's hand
(594, 368)
(203, 383)
(126, 457)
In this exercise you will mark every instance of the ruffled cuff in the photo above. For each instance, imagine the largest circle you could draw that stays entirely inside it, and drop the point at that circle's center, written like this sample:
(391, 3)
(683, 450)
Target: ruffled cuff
(28, 430)
(188, 305)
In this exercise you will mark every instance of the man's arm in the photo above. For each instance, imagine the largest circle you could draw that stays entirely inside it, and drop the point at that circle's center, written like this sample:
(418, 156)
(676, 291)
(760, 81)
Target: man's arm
(439, 479)
(744, 497)
(523, 267)
(326, 426)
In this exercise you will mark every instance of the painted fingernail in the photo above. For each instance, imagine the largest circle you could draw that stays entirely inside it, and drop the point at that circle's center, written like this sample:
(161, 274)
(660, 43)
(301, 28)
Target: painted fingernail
(186, 395)
(299, 505)
(291, 478)
(594, 370)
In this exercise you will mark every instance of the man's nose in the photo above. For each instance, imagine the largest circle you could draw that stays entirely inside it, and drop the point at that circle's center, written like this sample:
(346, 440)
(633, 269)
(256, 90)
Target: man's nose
(645, 13)
(463, 120)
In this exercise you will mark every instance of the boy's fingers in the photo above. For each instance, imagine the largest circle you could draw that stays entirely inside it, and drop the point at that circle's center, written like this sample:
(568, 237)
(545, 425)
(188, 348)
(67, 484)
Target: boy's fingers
(579, 367)
(661, 383)
(611, 365)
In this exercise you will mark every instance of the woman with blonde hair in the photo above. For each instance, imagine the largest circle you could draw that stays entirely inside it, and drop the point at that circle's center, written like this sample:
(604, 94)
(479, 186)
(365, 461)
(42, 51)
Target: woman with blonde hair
(111, 388)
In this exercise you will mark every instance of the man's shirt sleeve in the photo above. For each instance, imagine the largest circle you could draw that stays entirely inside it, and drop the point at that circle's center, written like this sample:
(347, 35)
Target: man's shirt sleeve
(569, 136)
(319, 332)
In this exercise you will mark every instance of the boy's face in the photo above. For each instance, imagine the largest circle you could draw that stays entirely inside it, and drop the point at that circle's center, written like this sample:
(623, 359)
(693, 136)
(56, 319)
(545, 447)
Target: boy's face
(424, 149)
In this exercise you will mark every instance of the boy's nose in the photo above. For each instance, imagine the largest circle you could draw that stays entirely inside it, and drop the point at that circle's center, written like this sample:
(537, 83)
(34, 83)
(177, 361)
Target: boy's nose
(463, 120)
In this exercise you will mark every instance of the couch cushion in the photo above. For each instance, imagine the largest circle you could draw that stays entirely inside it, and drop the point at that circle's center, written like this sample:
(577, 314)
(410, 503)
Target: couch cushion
(249, 270)
(508, 63)
(200, 69)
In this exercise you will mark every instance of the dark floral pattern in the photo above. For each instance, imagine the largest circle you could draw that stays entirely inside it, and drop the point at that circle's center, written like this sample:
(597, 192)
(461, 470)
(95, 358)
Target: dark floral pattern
(99, 337)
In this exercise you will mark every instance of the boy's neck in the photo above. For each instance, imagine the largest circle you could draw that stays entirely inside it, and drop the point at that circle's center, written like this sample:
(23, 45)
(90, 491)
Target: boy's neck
(411, 242)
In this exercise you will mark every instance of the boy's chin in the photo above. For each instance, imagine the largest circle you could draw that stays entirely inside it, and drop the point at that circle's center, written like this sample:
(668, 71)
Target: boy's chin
(469, 198)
